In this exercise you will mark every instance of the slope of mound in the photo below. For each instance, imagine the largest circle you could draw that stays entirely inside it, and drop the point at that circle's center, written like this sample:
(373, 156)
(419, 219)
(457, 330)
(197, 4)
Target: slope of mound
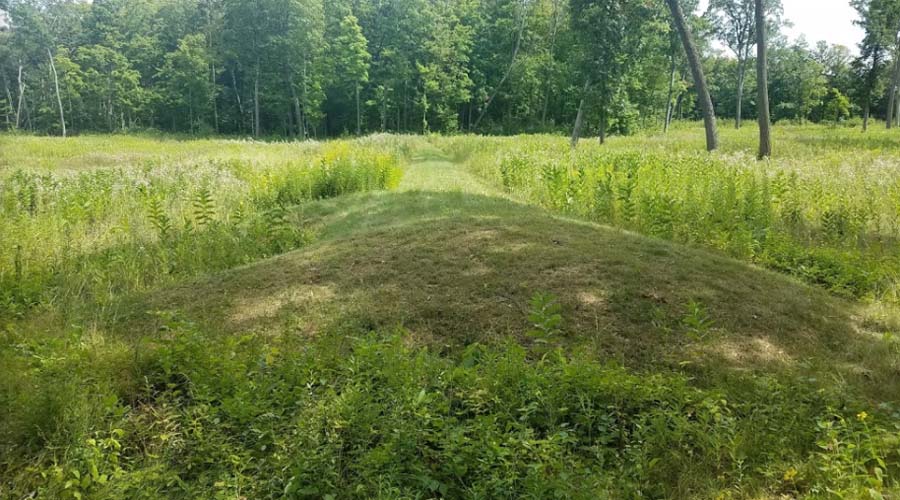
(455, 268)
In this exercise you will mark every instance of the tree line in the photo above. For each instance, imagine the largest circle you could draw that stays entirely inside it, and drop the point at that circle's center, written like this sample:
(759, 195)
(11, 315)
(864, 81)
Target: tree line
(323, 68)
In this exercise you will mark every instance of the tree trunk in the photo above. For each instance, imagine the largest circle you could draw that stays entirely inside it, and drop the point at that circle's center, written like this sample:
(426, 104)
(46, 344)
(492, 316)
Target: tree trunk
(693, 57)
(897, 110)
(892, 96)
(110, 109)
(190, 112)
(865, 125)
(303, 116)
(384, 112)
(670, 105)
(20, 100)
(553, 35)
(579, 118)
(62, 116)
(256, 103)
(512, 64)
(237, 97)
(9, 99)
(762, 85)
(215, 103)
(679, 105)
(424, 112)
(298, 115)
(871, 80)
(742, 67)
(602, 124)
(358, 114)
(293, 106)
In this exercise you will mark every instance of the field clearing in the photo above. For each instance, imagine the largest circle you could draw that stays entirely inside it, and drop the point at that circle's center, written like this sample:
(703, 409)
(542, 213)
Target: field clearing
(401, 317)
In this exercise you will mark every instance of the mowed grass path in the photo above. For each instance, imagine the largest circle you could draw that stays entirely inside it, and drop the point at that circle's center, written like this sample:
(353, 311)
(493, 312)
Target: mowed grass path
(431, 170)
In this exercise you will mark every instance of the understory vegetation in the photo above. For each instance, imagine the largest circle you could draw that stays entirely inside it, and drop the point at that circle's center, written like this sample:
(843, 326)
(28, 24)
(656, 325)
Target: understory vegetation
(439, 317)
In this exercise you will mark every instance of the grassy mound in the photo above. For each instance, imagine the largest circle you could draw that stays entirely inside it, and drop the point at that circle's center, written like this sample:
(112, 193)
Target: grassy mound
(443, 341)
(652, 369)
(453, 269)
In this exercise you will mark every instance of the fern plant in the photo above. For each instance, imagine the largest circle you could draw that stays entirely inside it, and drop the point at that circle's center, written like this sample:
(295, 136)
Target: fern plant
(239, 213)
(279, 230)
(204, 207)
(626, 198)
(835, 224)
(603, 197)
(158, 217)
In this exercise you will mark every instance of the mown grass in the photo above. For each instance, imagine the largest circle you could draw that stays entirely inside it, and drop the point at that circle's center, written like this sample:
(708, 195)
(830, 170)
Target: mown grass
(442, 340)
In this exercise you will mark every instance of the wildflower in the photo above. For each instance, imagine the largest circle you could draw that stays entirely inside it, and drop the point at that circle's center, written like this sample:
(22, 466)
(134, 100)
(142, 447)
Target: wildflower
(862, 416)
(790, 474)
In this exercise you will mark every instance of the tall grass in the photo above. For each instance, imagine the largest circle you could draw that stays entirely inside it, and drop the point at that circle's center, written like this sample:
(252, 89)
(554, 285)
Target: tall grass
(830, 217)
(91, 235)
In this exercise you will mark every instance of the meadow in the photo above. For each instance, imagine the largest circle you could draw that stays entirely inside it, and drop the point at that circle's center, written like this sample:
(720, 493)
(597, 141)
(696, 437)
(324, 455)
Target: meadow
(450, 317)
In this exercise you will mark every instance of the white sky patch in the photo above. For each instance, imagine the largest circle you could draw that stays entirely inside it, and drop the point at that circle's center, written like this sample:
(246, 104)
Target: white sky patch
(829, 20)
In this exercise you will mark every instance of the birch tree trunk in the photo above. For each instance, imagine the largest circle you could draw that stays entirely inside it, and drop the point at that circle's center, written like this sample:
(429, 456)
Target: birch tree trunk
(693, 57)
(20, 100)
(424, 112)
(670, 105)
(62, 116)
(237, 96)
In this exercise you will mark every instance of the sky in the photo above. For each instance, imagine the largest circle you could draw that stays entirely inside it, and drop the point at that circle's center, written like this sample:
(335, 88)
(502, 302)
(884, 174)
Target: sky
(830, 20)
